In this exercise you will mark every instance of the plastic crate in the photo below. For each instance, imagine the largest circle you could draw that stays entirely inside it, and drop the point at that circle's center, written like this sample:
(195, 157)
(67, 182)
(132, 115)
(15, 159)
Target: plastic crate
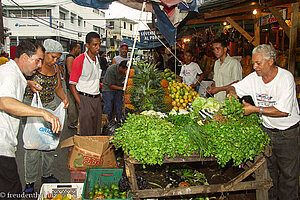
(101, 176)
(75, 189)
(77, 176)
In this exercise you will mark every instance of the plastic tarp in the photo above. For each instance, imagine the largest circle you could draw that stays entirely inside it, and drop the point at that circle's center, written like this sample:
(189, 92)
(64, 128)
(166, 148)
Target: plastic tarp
(164, 24)
(142, 45)
(101, 4)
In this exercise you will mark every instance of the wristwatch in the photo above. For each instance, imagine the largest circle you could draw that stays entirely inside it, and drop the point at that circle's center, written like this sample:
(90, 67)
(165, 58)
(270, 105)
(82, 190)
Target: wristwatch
(260, 111)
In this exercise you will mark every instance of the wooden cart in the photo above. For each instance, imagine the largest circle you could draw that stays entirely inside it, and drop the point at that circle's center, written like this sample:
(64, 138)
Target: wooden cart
(261, 183)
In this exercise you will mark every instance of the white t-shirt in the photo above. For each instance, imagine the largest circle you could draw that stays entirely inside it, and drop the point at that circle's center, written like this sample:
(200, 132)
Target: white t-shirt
(12, 84)
(85, 74)
(228, 72)
(280, 93)
(189, 73)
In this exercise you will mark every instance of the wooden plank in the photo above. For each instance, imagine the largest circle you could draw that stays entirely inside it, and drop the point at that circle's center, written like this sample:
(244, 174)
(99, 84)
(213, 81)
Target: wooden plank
(293, 38)
(178, 159)
(240, 29)
(227, 12)
(204, 189)
(246, 173)
(278, 3)
(280, 20)
(256, 41)
(261, 174)
(131, 176)
(203, 21)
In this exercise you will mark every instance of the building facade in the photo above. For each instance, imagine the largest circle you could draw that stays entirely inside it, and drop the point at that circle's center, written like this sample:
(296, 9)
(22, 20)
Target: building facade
(119, 28)
(60, 20)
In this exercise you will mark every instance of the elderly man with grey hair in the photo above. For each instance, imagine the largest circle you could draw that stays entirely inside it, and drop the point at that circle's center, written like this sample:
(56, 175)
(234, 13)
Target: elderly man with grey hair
(274, 93)
(47, 82)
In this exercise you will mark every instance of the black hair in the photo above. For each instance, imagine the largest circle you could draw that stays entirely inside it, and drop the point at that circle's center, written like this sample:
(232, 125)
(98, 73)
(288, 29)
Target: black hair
(123, 64)
(90, 36)
(73, 45)
(29, 47)
(221, 41)
(189, 51)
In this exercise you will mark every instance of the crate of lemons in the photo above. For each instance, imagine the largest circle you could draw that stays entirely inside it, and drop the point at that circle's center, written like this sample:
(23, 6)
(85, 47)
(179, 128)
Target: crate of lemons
(106, 192)
(181, 95)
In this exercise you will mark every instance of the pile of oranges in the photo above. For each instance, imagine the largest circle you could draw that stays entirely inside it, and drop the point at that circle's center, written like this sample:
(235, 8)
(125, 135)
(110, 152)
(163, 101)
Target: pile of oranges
(181, 95)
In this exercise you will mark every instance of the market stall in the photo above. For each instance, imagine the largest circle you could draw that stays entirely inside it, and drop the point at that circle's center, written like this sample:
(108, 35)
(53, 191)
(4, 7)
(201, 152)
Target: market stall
(245, 25)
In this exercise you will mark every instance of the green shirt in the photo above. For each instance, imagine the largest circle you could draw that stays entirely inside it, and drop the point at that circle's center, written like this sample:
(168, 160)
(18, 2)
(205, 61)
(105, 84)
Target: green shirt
(113, 77)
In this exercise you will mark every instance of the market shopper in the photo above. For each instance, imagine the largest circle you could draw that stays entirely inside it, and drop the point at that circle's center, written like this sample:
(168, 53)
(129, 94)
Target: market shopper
(274, 93)
(227, 70)
(159, 60)
(72, 111)
(85, 86)
(113, 83)
(28, 60)
(190, 73)
(47, 82)
(123, 54)
(103, 63)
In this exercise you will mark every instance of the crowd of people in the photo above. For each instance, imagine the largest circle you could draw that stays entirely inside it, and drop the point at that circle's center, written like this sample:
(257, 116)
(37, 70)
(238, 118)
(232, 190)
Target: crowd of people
(35, 69)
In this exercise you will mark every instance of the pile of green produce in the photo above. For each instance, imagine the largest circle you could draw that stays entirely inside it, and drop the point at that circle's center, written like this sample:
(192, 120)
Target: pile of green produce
(235, 137)
(106, 192)
(148, 139)
(170, 76)
(229, 135)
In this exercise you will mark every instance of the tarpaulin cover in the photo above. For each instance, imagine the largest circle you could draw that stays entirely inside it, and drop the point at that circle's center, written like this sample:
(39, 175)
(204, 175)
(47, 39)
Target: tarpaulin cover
(188, 6)
(164, 24)
(101, 4)
(142, 45)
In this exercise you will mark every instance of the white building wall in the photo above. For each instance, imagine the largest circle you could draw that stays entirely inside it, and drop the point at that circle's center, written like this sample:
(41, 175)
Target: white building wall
(25, 27)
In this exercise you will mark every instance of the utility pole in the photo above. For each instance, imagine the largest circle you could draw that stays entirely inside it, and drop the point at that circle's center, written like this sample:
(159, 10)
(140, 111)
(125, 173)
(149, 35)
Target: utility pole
(1, 25)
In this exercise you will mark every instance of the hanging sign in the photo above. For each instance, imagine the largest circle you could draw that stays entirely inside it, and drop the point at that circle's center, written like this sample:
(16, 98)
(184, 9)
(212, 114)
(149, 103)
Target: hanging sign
(149, 36)
(269, 19)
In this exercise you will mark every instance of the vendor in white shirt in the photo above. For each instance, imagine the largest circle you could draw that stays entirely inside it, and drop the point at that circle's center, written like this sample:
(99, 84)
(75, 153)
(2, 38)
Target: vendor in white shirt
(190, 70)
(273, 91)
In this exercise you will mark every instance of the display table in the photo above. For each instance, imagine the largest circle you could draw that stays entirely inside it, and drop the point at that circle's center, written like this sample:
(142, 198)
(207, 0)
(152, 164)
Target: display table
(261, 183)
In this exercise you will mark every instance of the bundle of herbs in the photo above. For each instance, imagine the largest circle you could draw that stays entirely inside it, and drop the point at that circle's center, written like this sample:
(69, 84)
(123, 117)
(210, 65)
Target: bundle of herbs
(238, 138)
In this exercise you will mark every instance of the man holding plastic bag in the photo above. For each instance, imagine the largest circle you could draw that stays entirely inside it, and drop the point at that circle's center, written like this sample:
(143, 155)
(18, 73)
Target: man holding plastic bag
(28, 59)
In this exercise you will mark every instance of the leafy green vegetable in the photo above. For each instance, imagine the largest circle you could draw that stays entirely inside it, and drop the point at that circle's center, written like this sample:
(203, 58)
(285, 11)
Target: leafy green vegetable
(149, 139)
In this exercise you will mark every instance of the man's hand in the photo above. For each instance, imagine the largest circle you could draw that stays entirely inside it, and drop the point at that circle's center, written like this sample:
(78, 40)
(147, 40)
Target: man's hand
(53, 120)
(34, 86)
(66, 102)
(212, 90)
(230, 92)
(249, 108)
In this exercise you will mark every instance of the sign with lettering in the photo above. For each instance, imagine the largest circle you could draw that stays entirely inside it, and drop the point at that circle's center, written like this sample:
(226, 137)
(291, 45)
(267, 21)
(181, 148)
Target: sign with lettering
(269, 19)
(150, 36)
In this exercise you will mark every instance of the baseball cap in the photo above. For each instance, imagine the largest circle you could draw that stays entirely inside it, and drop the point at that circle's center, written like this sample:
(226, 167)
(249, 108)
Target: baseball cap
(124, 44)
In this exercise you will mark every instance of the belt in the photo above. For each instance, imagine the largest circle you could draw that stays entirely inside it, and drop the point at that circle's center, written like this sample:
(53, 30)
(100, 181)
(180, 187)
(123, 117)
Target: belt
(277, 130)
(88, 95)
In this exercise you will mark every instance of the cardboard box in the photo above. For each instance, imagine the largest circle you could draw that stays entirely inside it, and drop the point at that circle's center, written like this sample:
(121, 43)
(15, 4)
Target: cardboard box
(90, 152)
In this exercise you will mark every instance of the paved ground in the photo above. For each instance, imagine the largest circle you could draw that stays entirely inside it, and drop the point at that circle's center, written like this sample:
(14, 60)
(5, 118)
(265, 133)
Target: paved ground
(60, 169)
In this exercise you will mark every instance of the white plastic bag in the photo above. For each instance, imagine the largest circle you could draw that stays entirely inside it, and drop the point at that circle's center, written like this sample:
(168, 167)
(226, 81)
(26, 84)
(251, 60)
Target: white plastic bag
(37, 132)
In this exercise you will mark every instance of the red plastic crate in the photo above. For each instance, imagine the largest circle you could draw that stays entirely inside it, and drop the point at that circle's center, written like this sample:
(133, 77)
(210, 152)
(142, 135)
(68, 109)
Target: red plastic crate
(77, 176)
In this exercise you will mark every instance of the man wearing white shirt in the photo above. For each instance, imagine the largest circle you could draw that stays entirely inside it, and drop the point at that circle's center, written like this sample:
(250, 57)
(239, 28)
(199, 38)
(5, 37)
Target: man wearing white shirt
(227, 70)
(28, 59)
(85, 86)
(273, 91)
(190, 70)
